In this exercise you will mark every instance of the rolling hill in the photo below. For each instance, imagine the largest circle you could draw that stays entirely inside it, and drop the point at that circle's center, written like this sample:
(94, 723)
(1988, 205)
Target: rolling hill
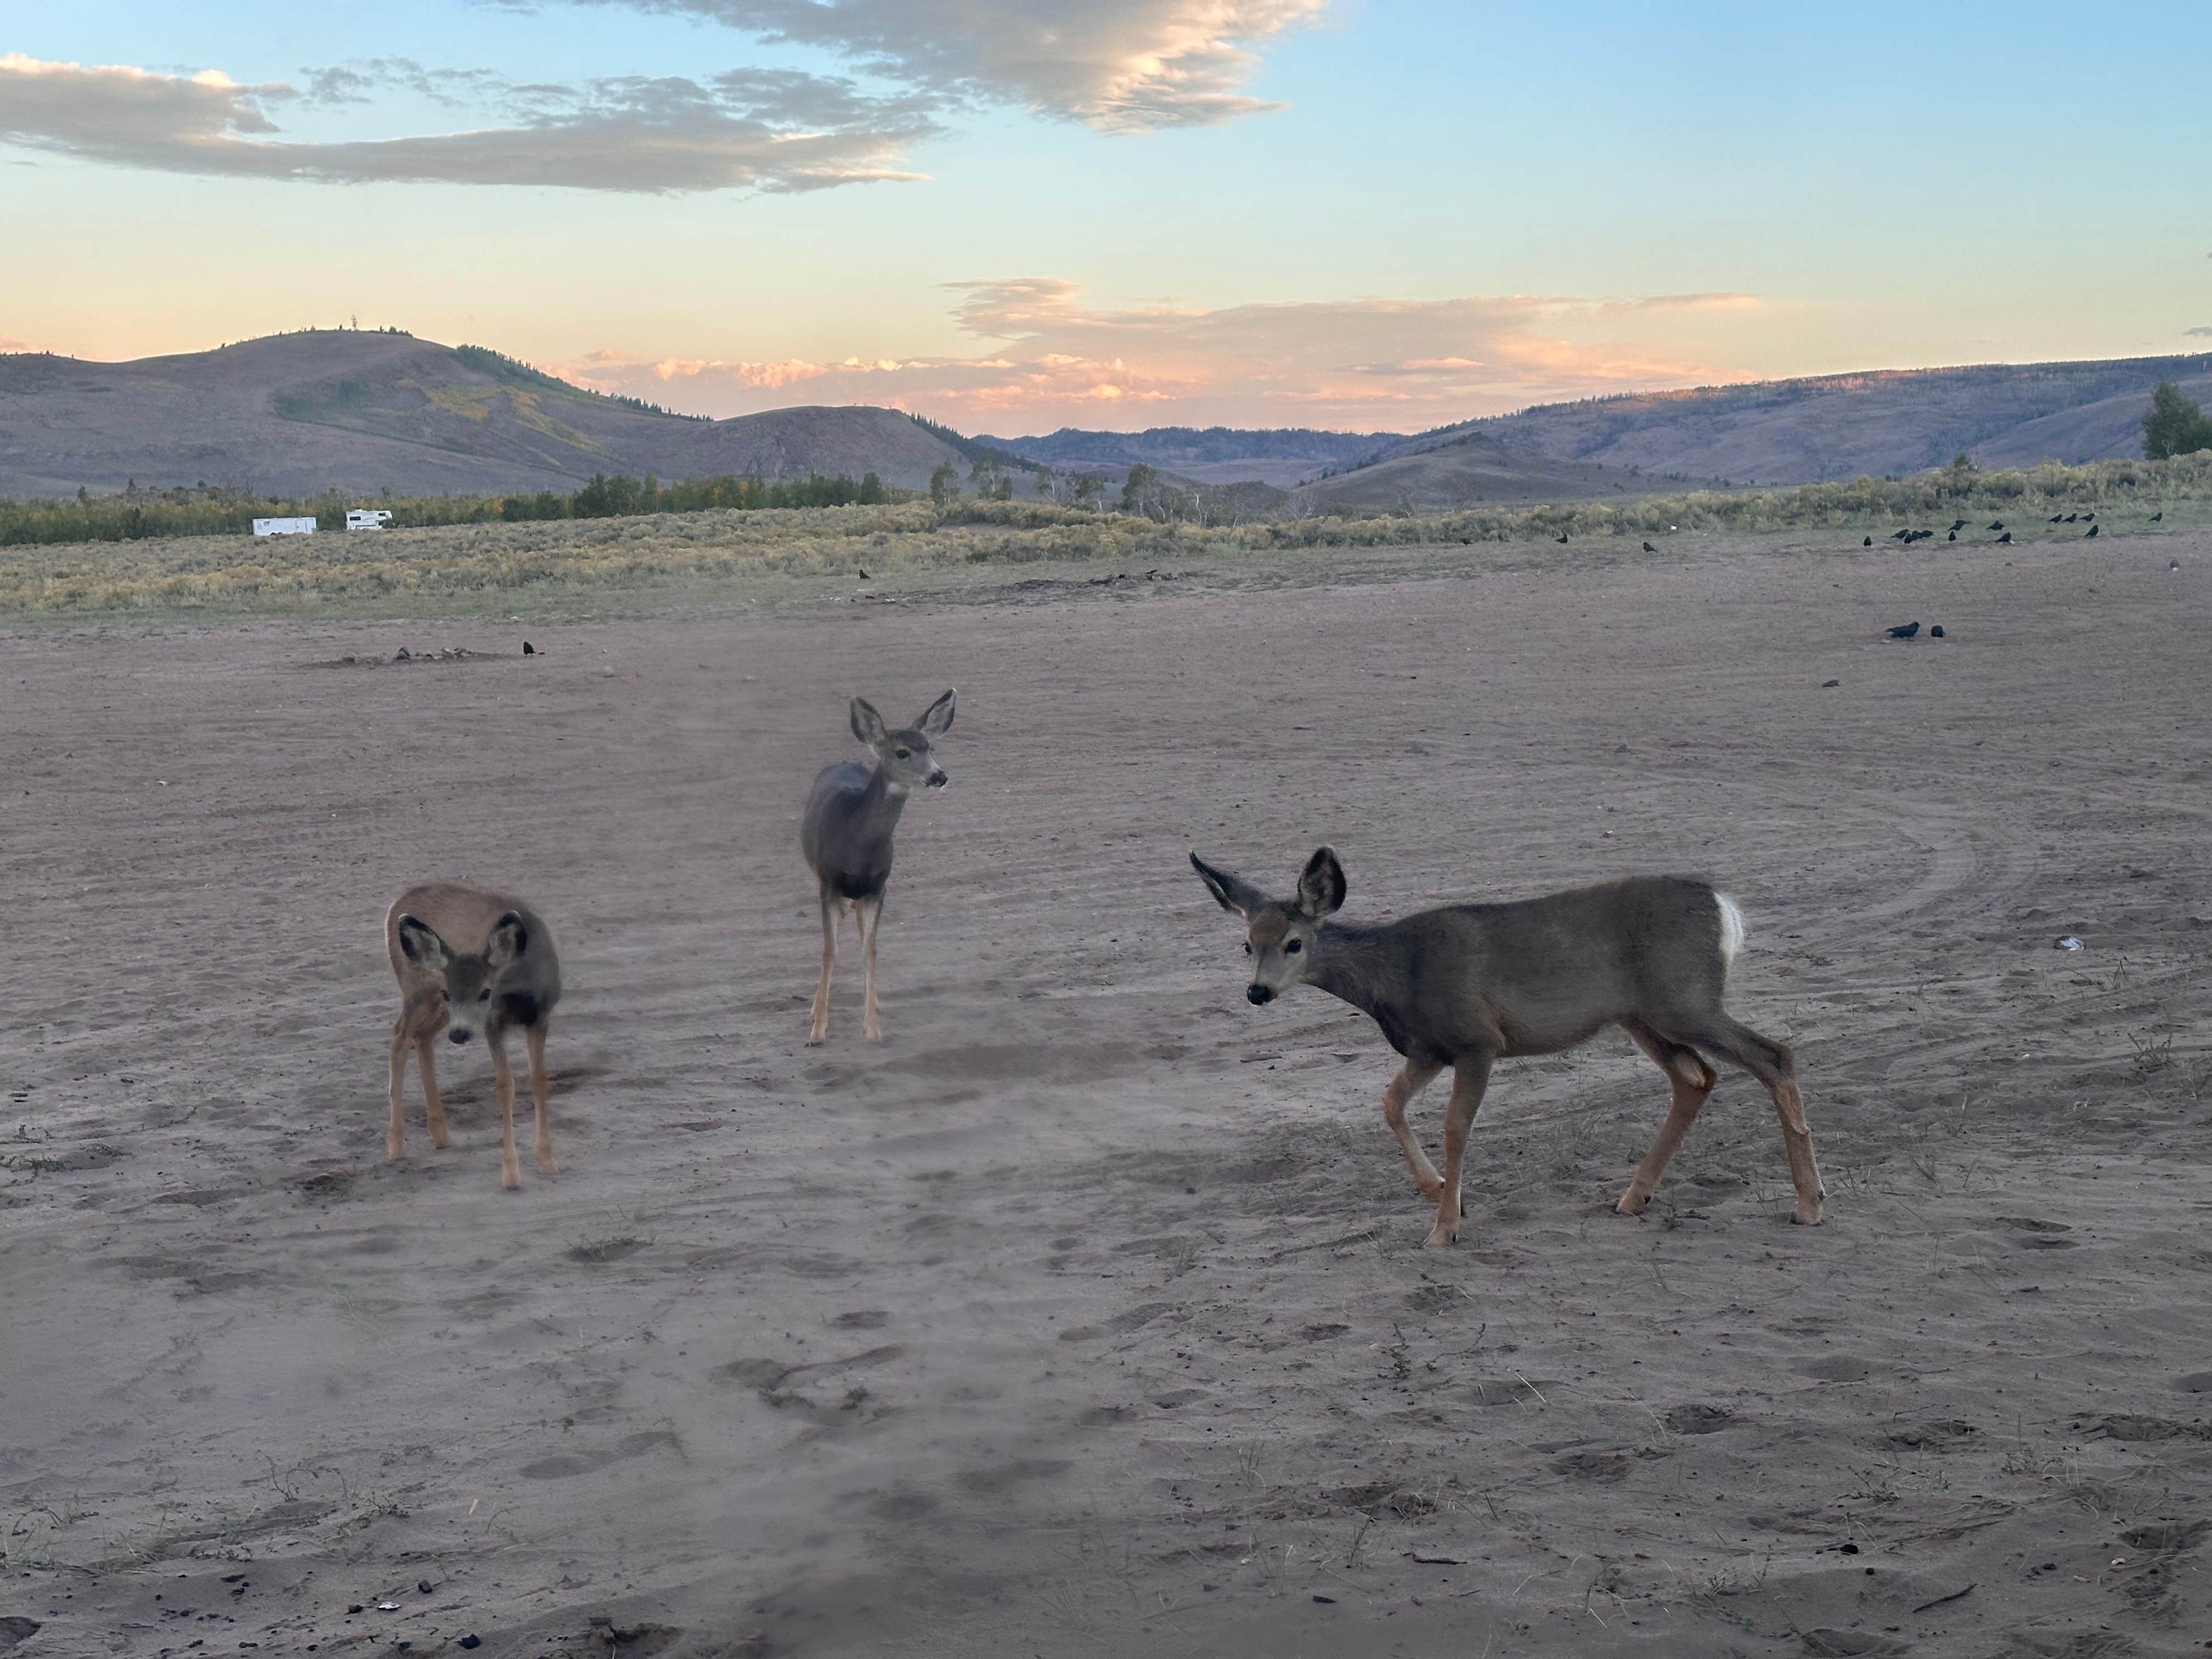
(295, 414)
(1213, 455)
(1886, 423)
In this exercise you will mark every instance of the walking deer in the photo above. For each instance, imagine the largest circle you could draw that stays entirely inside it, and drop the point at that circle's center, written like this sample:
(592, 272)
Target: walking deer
(470, 961)
(1467, 985)
(846, 838)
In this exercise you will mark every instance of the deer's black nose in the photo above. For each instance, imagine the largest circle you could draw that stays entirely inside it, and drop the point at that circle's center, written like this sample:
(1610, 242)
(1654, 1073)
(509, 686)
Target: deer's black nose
(938, 780)
(1259, 993)
(457, 1037)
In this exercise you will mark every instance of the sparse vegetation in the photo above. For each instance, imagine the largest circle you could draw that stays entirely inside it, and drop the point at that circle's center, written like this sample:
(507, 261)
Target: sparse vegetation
(493, 555)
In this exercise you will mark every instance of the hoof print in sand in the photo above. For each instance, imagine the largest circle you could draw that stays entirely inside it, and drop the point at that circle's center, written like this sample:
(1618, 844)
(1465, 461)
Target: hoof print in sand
(563, 1465)
(1698, 1419)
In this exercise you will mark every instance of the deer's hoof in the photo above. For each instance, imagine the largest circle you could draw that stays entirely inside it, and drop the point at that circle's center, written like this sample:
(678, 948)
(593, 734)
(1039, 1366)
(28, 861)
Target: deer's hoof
(1631, 1205)
(393, 1152)
(545, 1165)
(1805, 1216)
(1440, 1237)
(440, 1141)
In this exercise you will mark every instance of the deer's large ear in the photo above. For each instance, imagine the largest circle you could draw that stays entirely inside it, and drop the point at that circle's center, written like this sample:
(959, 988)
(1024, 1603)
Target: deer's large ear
(1228, 891)
(936, 719)
(867, 725)
(1321, 885)
(510, 938)
(420, 944)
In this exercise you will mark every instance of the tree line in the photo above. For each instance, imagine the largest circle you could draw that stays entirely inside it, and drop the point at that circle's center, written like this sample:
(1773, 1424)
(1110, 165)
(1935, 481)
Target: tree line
(202, 510)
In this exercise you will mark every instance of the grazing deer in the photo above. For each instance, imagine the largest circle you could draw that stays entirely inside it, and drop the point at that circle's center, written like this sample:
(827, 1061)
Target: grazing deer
(1471, 984)
(470, 961)
(846, 838)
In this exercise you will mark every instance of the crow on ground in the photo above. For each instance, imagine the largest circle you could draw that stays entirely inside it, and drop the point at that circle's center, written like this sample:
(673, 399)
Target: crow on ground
(1647, 548)
(1869, 542)
(1953, 537)
(1899, 535)
(1563, 541)
(1936, 632)
(1957, 525)
(2156, 516)
(2005, 540)
(2070, 518)
(1997, 526)
(1905, 630)
(528, 649)
(2093, 529)
(2055, 518)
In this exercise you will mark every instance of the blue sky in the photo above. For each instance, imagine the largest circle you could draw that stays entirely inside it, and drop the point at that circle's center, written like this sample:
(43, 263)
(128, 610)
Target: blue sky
(1017, 214)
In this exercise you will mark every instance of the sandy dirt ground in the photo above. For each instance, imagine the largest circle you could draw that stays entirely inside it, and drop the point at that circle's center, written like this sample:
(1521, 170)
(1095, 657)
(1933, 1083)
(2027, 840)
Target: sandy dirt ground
(1087, 1314)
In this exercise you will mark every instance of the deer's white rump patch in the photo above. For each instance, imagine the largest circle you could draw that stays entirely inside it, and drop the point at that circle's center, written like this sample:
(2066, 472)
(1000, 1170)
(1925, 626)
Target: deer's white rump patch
(1731, 927)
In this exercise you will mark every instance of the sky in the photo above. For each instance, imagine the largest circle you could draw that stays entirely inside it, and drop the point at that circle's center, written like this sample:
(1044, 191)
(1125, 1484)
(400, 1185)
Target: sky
(1012, 215)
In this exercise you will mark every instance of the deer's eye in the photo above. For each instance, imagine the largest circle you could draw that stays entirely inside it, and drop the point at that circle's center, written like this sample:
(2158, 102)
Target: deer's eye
(1248, 947)
(906, 754)
(484, 995)
(1293, 948)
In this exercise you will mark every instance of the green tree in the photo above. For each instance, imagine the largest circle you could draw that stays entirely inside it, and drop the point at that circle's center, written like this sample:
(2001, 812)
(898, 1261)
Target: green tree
(2175, 426)
(1138, 487)
(944, 483)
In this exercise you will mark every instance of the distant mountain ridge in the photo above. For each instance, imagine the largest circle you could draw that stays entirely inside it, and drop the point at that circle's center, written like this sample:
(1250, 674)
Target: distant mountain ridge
(1213, 454)
(1882, 422)
(296, 414)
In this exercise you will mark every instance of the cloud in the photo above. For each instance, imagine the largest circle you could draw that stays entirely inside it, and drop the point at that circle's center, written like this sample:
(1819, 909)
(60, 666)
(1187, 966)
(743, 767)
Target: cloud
(1363, 363)
(2196, 333)
(1116, 65)
(769, 130)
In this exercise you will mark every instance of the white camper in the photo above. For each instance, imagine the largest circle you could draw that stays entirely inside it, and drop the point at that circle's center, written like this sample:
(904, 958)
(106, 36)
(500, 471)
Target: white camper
(368, 518)
(283, 526)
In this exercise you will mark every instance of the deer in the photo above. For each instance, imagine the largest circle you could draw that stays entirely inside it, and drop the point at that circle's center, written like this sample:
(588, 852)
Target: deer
(1465, 985)
(846, 837)
(469, 962)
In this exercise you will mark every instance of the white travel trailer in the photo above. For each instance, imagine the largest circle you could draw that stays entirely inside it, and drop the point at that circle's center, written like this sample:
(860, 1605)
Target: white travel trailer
(368, 518)
(283, 526)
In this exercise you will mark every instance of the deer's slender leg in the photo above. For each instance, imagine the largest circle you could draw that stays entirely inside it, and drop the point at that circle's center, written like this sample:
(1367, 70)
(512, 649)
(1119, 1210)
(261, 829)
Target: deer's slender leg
(395, 1136)
(1398, 1094)
(1772, 1063)
(831, 907)
(868, 912)
(502, 1075)
(533, 1037)
(1691, 1080)
(1470, 1076)
(434, 1104)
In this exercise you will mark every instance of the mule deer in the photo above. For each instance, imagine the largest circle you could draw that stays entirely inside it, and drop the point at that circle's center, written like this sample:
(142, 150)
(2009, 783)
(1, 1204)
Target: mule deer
(470, 961)
(847, 839)
(1467, 985)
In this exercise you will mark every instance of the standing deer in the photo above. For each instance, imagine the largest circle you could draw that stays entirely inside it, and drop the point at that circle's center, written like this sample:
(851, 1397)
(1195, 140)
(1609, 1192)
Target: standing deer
(1467, 985)
(846, 838)
(470, 961)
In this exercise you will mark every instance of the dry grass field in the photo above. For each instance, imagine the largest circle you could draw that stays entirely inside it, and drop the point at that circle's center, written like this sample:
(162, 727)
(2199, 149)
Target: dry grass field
(1086, 1315)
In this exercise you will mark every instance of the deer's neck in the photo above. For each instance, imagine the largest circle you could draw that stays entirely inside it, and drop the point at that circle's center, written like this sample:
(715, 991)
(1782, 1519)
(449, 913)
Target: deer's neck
(1356, 964)
(880, 806)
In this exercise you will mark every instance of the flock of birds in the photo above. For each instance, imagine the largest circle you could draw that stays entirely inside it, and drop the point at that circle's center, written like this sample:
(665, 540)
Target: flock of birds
(2004, 539)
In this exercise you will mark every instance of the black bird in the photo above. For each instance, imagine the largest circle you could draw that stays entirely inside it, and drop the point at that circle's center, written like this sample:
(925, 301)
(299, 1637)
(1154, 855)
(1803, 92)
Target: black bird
(864, 574)
(1647, 548)
(1869, 542)
(1953, 537)
(2055, 518)
(1563, 541)
(528, 649)
(2005, 540)
(2088, 518)
(1936, 632)
(1898, 536)
(1904, 631)
(2093, 529)
(2156, 516)
(2070, 518)
(1957, 525)
(1997, 526)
